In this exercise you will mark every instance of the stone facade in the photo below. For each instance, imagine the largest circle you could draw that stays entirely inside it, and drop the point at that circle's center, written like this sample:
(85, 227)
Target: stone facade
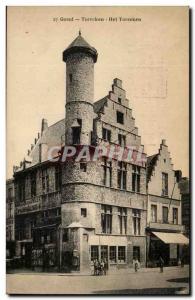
(67, 214)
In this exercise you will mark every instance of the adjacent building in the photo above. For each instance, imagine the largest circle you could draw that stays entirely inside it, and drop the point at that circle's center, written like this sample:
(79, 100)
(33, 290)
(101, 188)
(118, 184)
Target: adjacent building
(164, 222)
(69, 213)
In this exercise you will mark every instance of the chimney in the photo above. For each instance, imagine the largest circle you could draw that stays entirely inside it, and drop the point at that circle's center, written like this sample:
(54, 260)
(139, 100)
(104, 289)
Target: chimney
(117, 82)
(163, 142)
(44, 125)
(178, 175)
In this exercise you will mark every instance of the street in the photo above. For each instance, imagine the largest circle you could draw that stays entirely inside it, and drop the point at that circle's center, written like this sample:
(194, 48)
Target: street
(174, 280)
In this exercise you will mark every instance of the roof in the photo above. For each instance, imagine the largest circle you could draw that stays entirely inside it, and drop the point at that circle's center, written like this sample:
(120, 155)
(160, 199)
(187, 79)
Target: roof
(151, 161)
(80, 45)
(184, 186)
(99, 105)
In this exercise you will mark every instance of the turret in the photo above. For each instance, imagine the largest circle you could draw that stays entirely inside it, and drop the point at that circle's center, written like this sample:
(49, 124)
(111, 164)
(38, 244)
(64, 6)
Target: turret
(79, 58)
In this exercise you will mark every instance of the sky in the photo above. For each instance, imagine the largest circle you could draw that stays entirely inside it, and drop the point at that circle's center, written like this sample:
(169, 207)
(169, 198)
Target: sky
(150, 56)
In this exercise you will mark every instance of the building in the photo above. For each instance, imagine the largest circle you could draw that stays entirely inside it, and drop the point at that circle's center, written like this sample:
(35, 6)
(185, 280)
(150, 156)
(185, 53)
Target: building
(164, 226)
(184, 186)
(10, 219)
(67, 214)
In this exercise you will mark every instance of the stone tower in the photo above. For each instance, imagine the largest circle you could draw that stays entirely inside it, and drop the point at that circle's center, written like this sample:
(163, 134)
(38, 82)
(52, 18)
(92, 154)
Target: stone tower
(79, 58)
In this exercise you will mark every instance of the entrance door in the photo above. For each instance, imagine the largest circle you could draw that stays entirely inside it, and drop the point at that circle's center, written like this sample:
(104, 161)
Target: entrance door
(104, 253)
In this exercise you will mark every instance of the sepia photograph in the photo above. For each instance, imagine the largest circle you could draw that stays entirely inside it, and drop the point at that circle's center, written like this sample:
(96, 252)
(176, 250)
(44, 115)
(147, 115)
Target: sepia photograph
(98, 166)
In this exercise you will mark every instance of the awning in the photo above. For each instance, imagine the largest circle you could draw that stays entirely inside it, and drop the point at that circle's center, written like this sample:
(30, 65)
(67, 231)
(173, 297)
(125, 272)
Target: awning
(172, 238)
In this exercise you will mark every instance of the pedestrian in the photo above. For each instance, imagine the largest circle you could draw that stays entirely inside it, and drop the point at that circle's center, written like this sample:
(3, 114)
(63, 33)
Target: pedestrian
(105, 266)
(161, 263)
(95, 264)
(136, 265)
(102, 267)
(99, 268)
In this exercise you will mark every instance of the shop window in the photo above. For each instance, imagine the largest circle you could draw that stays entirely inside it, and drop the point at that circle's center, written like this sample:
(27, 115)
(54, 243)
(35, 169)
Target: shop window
(94, 253)
(113, 254)
(120, 117)
(104, 252)
(121, 254)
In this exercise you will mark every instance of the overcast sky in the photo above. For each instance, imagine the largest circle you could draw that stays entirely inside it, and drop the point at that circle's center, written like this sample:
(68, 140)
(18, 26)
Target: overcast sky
(150, 57)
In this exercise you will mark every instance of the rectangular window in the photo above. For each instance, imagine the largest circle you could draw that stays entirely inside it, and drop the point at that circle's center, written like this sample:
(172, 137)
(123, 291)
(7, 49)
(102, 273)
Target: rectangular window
(122, 140)
(136, 253)
(94, 253)
(84, 212)
(106, 134)
(33, 184)
(122, 175)
(104, 252)
(119, 100)
(112, 254)
(65, 235)
(22, 190)
(107, 169)
(106, 218)
(10, 193)
(120, 117)
(58, 178)
(76, 132)
(122, 220)
(136, 221)
(45, 181)
(83, 166)
(175, 215)
(164, 184)
(136, 178)
(165, 214)
(121, 254)
(70, 77)
(153, 213)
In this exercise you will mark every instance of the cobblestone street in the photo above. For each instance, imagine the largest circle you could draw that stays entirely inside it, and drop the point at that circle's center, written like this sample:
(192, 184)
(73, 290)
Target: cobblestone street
(174, 280)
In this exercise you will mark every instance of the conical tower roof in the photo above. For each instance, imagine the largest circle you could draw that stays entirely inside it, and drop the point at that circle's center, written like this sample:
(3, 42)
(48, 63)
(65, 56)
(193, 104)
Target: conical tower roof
(80, 45)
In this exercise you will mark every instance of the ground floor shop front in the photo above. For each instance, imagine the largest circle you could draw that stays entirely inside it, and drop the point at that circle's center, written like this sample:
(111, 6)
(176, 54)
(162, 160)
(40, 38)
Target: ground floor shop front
(168, 245)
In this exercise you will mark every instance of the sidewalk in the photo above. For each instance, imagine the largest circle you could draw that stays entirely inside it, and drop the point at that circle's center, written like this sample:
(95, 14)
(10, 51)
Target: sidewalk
(110, 272)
